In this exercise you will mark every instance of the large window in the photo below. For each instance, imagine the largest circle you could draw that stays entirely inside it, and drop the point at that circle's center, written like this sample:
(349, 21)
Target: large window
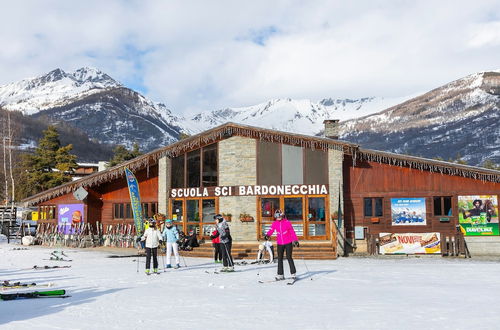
(286, 164)
(178, 172)
(197, 168)
(193, 168)
(316, 167)
(442, 206)
(316, 216)
(373, 207)
(210, 170)
(268, 163)
(293, 208)
(292, 164)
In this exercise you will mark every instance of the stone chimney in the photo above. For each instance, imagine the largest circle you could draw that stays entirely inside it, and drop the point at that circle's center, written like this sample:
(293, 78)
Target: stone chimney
(332, 128)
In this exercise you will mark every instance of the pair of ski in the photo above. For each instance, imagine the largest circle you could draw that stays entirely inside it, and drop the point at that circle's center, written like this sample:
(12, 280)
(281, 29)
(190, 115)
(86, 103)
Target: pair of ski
(34, 295)
(6, 285)
(48, 267)
(58, 259)
(290, 282)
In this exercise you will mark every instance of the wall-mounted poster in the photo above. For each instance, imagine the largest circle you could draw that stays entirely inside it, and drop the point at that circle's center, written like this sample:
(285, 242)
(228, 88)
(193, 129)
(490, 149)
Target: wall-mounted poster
(410, 243)
(408, 211)
(478, 215)
(68, 214)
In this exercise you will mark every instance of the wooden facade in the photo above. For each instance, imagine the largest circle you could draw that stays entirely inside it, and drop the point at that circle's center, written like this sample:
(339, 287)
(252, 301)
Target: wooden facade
(362, 174)
(373, 179)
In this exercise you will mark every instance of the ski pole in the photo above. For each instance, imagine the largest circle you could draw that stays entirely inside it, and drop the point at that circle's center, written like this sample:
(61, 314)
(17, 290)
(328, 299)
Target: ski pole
(185, 264)
(304, 260)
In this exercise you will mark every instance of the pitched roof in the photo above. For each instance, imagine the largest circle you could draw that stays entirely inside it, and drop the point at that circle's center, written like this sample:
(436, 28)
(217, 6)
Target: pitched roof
(207, 137)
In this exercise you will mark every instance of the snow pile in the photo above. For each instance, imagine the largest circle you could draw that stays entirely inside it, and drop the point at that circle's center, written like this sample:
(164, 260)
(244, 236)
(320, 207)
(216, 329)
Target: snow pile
(351, 293)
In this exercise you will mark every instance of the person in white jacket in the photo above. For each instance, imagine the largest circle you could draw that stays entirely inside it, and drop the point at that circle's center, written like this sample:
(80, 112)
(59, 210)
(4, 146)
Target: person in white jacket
(266, 246)
(153, 238)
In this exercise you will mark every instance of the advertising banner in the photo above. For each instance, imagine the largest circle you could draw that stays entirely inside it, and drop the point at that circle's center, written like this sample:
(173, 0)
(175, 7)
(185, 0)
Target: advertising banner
(408, 211)
(135, 199)
(410, 243)
(67, 215)
(478, 215)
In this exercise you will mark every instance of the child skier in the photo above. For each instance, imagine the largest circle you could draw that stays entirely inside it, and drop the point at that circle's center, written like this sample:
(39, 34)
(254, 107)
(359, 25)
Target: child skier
(226, 242)
(171, 235)
(216, 246)
(266, 246)
(286, 240)
(152, 238)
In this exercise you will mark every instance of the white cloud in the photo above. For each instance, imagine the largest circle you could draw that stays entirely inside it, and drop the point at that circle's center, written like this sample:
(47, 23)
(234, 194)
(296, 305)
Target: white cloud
(205, 54)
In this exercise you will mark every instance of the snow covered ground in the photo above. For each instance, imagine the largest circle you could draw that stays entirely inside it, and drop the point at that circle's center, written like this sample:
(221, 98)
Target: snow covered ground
(349, 293)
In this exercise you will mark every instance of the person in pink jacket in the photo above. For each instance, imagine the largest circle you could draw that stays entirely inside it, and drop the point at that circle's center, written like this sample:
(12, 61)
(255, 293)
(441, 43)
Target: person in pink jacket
(286, 240)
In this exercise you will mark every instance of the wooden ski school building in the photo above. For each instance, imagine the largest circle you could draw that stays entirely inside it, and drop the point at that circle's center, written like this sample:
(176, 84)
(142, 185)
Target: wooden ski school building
(341, 198)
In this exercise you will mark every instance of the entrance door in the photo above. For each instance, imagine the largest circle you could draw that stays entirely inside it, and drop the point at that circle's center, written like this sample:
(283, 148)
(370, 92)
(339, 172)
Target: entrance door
(315, 220)
(195, 215)
(308, 215)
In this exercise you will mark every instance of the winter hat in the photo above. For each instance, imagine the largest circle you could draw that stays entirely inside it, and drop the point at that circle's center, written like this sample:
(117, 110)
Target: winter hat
(168, 221)
(218, 217)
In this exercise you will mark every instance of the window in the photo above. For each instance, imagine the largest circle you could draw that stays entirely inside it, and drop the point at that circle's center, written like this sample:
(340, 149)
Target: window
(373, 207)
(193, 212)
(268, 206)
(47, 212)
(292, 164)
(118, 211)
(208, 209)
(316, 167)
(149, 209)
(178, 172)
(189, 170)
(293, 208)
(193, 168)
(442, 206)
(210, 172)
(268, 163)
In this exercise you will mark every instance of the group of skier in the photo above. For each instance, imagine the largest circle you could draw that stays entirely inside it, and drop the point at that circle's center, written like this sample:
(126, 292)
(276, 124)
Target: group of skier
(286, 239)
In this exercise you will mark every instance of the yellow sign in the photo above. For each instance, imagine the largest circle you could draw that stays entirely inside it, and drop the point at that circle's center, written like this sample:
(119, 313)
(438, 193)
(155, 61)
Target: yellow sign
(34, 216)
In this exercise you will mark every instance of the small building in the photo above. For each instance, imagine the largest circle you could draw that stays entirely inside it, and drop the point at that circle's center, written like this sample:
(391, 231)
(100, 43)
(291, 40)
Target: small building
(322, 184)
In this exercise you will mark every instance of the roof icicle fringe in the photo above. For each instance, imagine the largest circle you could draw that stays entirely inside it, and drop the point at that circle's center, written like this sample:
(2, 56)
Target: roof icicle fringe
(231, 129)
(430, 165)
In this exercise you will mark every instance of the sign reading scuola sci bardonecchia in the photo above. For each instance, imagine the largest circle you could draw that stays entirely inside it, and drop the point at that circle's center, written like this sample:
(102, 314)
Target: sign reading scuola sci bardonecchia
(257, 190)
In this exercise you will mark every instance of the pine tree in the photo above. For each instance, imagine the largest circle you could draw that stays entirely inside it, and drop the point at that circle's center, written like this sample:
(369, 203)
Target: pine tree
(50, 165)
(488, 163)
(121, 154)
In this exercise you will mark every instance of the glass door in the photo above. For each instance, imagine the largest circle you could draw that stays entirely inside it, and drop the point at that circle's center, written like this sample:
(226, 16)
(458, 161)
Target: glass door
(194, 215)
(315, 220)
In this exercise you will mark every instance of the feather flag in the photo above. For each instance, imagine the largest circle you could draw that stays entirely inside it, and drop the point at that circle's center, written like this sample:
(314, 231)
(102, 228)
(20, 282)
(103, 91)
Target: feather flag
(135, 199)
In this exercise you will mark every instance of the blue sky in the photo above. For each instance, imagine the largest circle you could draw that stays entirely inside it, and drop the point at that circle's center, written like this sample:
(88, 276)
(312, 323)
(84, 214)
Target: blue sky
(205, 55)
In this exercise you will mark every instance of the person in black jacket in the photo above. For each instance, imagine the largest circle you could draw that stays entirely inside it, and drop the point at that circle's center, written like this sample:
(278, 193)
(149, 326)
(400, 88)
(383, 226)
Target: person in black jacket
(226, 242)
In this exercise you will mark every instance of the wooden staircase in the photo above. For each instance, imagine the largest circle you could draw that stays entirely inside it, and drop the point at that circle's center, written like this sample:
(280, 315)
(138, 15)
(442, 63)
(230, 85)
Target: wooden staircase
(248, 250)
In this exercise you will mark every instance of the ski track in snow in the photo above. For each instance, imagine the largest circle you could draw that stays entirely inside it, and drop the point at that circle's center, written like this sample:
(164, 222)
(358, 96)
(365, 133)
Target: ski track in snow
(348, 293)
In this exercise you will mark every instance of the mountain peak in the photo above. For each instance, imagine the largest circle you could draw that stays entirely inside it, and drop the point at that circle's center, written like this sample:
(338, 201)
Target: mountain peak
(93, 75)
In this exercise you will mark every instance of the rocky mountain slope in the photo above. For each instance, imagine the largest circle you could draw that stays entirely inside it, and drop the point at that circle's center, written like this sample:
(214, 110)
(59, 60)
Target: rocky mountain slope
(459, 119)
(94, 103)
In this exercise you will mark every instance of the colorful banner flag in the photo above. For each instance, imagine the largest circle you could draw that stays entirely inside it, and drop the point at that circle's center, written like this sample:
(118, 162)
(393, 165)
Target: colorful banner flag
(135, 199)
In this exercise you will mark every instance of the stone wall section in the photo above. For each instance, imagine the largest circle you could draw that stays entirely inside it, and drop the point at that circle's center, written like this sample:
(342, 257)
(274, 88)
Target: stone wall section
(238, 166)
(164, 166)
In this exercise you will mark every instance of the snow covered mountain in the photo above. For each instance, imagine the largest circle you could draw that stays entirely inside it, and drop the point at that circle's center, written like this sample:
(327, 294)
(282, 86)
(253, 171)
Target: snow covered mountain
(302, 116)
(93, 102)
(461, 118)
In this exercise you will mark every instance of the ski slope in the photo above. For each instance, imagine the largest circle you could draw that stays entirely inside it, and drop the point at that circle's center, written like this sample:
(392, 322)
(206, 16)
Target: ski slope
(349, 293)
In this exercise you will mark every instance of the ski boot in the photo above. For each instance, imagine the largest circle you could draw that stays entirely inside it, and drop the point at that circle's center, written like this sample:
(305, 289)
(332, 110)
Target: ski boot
(155, 271)
(224, 269)
(230, 269)
(279, 278)
(294, 277)
(177, 266)
(168, 266)
(147, 272)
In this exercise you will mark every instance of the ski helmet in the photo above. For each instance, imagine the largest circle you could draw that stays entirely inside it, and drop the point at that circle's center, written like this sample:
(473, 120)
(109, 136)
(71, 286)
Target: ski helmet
(278, 213)
(218, 218)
